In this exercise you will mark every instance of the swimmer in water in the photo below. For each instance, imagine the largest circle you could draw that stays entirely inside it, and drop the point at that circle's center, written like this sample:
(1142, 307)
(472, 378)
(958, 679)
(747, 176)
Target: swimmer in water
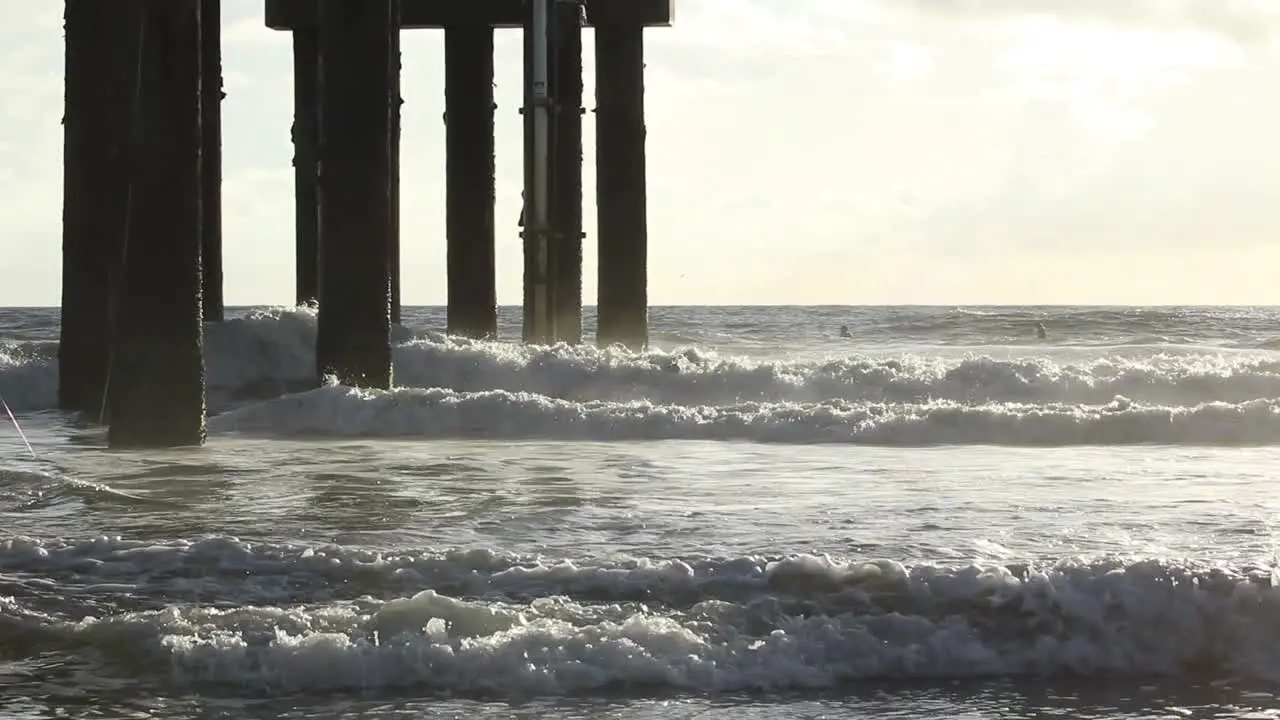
(1040, 331)
(844, 331)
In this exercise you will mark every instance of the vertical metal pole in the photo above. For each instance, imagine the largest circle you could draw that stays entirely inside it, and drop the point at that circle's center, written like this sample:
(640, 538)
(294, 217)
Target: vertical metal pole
(539, 325)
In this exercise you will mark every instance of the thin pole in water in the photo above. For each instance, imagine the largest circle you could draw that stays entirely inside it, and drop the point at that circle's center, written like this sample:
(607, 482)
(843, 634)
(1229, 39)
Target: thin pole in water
(8, 411)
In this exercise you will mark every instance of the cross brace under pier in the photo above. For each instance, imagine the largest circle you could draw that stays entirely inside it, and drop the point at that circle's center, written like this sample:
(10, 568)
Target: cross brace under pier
(299, 14)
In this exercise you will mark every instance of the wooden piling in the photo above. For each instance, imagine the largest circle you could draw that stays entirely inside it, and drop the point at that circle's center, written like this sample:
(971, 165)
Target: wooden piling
(566, 211)
(100, 79)
(622, 307)
(356, 95)
(552, 270)
(306, 140)
(211, 159)
(469, 181)
(393, 235)
(157, 381)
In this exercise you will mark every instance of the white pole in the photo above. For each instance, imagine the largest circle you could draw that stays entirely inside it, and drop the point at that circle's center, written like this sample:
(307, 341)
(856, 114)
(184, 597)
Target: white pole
(538, 220)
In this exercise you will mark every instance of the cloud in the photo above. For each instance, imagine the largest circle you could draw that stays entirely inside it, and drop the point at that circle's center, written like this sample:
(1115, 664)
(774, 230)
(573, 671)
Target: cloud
(249, 31)
(1246, 21)
(834, 145)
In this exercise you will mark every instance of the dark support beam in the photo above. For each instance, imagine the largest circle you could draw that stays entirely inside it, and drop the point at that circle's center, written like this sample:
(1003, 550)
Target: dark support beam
(306, 140)
(211, 168)
(157, 370)
(622, 307)
(469, 181)
(101, 72)
(566, 210)
(393, 236)
(353, 337)
(295, 14)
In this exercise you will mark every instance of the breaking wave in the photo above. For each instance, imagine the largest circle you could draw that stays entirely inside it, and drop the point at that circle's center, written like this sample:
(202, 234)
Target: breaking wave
(219, 612)
(453, 386)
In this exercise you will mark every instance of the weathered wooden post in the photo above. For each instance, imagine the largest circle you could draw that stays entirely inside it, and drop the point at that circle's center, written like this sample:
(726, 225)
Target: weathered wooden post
(353, 337)
(157, 387)
(620, 185)
(393, 232)
(306, 141)
(211, 159)
(469, 181)
(566, 210)
(101, 76)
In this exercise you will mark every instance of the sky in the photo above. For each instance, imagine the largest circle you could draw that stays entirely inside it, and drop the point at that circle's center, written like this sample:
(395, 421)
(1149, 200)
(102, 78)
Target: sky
(800, 152)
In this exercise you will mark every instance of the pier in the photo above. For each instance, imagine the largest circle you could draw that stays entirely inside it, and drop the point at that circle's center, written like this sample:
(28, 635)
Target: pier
(142, 230)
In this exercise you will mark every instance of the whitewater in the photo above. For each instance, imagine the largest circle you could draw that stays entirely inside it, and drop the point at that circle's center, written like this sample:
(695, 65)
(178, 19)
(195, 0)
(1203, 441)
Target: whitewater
(940, 516)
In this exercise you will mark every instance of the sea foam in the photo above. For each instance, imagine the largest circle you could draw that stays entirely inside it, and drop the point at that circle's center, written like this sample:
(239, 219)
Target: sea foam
(491, 624)
(452, 386)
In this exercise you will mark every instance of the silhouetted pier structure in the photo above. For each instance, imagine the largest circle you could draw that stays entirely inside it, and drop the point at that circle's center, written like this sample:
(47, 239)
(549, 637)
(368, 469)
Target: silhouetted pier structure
(142, 235)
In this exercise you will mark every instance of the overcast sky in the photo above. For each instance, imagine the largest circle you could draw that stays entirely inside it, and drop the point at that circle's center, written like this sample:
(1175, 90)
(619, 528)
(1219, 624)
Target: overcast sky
(802, 151)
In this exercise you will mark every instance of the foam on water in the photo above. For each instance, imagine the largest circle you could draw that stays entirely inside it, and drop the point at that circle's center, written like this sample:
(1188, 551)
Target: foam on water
(437, 605)
(29, 375)
(453, 386)
(440, 413)
(221, 612)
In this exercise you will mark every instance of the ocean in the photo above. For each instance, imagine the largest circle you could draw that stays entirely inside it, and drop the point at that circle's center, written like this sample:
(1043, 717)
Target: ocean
(939, 516)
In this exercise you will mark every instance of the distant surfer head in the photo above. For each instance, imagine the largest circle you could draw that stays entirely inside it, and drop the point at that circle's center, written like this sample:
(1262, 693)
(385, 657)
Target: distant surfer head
(844, 331)
(1040, 331)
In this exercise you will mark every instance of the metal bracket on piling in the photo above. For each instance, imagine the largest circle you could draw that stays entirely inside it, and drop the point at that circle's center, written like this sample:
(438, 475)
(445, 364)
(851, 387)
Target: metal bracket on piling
(582, 10)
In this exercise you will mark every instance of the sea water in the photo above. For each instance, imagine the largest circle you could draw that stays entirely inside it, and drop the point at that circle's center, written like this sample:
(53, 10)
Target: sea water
(941, 516)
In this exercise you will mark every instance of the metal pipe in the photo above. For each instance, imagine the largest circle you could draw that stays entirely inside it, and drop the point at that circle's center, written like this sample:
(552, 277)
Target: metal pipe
(539, 193)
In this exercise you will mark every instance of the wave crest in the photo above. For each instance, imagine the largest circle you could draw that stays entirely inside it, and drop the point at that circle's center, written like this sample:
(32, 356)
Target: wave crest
(486, 623)
(456, 386)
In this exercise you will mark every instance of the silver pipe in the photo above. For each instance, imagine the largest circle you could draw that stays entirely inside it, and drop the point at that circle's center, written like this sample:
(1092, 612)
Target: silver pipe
(540, 215)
